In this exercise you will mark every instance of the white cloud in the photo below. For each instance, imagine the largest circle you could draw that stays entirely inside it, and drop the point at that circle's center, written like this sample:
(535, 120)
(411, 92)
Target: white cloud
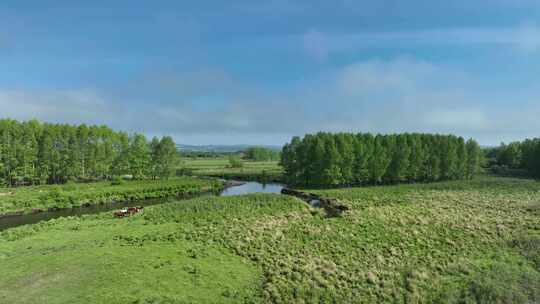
(375, 76)
(464, 119)
(62, 105)
(405, 95)
(522, 37)
(399, 95)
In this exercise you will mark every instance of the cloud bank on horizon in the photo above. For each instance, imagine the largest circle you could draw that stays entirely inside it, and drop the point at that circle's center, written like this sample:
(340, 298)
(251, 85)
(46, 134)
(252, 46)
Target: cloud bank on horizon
(240, 72)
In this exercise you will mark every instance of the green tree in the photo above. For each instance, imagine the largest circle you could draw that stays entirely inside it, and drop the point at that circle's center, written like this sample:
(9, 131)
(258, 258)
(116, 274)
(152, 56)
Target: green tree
(235, 161)
(449, 157)
(326, 159)
(462, 159)
(139, 157)
(166, 157)
(363, 153)
(155, 153)
(510, 155)
(473, 158)
(345, 149)
(380, 161)
(531, 156)
(261, 154)
(417, 158)
(331, 171)
(317, 160)
(399, 164)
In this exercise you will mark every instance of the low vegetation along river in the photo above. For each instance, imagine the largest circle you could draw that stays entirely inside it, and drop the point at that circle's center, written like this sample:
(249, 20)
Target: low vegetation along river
(235, 189)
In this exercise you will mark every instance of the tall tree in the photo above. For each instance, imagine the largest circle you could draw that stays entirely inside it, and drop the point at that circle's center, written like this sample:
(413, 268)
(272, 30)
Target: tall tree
(473, 158)
(34, 153)
(399, 164)
(139, 157)
(326, 159)
(462, 159)
(331, 164)
(166, 157)
(289, 161)
(345, 148)
(381, 159)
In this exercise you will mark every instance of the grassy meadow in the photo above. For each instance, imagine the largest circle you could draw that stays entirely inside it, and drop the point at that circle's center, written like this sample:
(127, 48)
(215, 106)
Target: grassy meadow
(220, 167)
(33, 198)
(451, 242)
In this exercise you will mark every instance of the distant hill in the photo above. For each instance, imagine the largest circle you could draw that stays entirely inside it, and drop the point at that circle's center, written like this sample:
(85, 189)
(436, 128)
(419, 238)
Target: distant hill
(222, 148)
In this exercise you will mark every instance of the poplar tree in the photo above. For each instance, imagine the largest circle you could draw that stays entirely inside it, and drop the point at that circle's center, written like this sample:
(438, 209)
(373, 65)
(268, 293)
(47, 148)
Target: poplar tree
(417, 160)
(399, 164)
(380, 160)
(345, 148)
(139, 157)
(462, 159)
(326, 159)
(167, 157)
(473, 158)
(36, 153)
(363, 150)
(331, 171)
(154, 152)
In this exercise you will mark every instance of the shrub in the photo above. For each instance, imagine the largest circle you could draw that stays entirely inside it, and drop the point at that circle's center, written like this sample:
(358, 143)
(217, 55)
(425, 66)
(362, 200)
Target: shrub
(184, 172)
(117, 181)
(235, 162)
(55, 197)
(70, 186)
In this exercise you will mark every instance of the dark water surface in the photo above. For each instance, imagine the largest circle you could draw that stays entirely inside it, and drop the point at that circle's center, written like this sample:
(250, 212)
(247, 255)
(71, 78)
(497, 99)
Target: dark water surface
(19, 220)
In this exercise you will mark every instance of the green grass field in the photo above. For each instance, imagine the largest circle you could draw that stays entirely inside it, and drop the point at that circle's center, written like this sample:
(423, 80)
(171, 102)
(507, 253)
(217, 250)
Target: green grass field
(106, 261)
(27, 199)
(454, 242)
(220, 167)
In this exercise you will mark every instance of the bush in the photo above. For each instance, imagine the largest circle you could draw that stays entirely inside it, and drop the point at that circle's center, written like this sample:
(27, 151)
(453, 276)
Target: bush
(70, 186)
(184, 172)
(55, 197)
(235, 162)
(117, 181)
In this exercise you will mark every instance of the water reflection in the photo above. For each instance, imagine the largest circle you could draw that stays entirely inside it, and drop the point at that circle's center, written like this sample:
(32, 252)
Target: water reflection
(252, 187)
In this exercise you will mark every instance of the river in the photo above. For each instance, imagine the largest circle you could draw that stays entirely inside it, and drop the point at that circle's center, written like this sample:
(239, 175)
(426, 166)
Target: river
(237, 189)
(252, 187)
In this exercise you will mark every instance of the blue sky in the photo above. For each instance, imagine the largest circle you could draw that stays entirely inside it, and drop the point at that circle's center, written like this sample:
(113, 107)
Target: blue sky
(259, 72)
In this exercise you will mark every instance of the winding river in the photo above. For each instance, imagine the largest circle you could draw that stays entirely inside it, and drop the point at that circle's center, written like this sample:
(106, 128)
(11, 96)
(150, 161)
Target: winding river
(236, 189)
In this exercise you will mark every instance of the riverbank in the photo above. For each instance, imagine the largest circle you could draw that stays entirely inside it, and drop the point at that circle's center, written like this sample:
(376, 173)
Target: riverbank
(331, 206)
(228, 188)
(260, 177)
(36, 199)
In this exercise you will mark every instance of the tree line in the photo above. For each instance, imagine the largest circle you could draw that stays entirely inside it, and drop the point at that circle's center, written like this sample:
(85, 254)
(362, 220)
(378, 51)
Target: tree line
(33, 153)
(326, 159)
(520, 155)
(261, 154)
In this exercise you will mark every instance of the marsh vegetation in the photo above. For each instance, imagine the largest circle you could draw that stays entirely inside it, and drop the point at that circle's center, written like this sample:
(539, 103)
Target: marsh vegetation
(451, 242)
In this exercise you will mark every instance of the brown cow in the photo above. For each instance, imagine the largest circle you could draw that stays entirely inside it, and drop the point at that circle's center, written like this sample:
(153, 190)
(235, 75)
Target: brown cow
(128, 211)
